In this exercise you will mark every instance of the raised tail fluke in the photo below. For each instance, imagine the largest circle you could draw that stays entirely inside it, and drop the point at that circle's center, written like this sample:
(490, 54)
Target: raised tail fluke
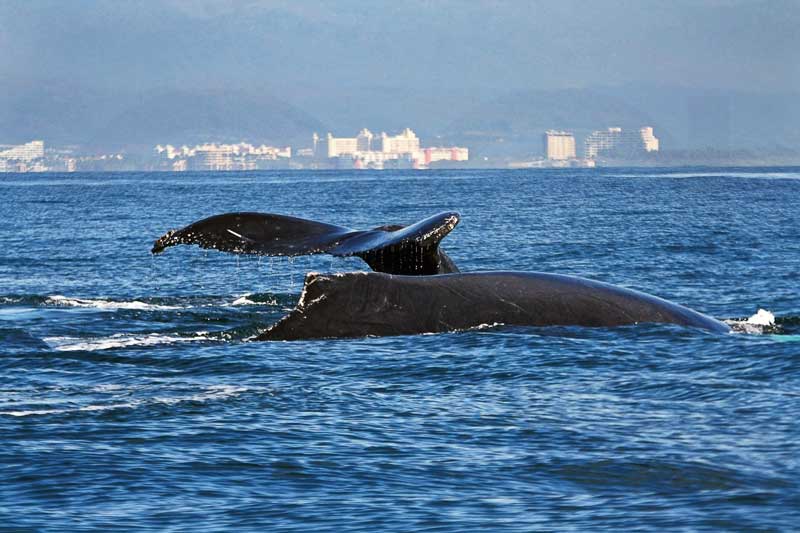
(409, 250)
(256, 233)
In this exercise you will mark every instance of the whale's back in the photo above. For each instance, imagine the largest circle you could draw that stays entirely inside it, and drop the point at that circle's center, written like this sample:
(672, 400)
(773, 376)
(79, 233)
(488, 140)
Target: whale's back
(360, 304)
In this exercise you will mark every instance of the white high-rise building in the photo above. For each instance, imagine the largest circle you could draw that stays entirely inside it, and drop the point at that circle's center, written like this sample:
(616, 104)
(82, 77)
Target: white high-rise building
(331, 146)
(559, 145)
(616, 143)
(24, 152)
(367, 150)
(601, 141)
(406, 142)
(650, 141)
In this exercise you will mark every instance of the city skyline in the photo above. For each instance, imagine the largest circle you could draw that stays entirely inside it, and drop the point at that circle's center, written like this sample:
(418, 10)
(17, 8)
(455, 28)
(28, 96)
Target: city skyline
(81, 73)
(610, 146)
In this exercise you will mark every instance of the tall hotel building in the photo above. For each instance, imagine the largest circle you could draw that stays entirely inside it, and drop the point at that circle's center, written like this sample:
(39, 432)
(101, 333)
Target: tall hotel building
(367, 150)
(331, 146)
(406, 142)
(614, 142)
(24, 152)
(559, 145)
(650, 141)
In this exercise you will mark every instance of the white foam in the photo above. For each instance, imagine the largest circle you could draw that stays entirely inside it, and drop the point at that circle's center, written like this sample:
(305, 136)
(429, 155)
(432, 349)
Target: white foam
(762, 318)
(99, 303)
(244, 300)
(119, 340)
(756, 324)
(213, 392)
(487, 326)
(76, 409)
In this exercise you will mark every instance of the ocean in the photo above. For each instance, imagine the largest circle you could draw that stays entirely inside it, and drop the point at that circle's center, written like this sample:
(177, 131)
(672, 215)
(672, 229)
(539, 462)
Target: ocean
(131, 398)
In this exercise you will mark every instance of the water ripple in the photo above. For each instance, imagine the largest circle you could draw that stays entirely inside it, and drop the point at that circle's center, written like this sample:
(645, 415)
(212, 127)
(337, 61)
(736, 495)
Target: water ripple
(131, 398)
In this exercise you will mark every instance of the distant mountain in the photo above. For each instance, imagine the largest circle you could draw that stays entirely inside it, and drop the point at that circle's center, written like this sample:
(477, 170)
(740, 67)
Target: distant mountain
(428, 110)
(66, 115)
(497, 124)
(683, 118)
(58, 113)
(537, 111)
(699, 119)
(188, 117)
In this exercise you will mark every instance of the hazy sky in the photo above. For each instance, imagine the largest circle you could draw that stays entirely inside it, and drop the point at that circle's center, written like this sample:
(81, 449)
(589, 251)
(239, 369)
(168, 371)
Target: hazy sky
(751, 45)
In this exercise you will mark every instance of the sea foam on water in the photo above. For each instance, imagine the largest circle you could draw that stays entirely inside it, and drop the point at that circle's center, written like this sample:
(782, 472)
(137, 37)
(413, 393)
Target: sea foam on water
(762, 318)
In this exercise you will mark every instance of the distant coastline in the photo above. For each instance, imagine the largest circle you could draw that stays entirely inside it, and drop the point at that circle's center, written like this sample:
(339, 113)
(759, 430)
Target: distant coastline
(400, 152)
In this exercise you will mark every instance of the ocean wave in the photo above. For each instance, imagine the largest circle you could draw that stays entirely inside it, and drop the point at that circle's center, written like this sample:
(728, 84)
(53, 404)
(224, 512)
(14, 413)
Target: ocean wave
(210, 393)
(120, 340)
(255, 299)
(100, 303)
(147, 304)
(13, 340)
(718, 174)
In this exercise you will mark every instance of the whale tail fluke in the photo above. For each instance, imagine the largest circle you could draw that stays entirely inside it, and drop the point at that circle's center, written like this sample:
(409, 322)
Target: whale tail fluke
(255, 233)
(395, 249)
(410, 250)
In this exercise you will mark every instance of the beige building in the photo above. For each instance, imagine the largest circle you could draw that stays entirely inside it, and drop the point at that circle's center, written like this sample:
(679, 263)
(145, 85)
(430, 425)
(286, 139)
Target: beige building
(406, 142)
(332, 146)
(559, 145)
(367, 150)
(649, 140)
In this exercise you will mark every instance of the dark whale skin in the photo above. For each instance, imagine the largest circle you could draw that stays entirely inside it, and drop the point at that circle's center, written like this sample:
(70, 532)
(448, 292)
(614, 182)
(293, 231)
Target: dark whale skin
(415, 287)
(359, 304)
(395, 249)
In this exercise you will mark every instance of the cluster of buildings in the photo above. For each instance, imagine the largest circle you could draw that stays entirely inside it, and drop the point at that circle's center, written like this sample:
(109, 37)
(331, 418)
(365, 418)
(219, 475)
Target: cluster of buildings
(33, 157)
(28, 157)
(368, 150)
(211, 156)
(364, 151)
(611, 143)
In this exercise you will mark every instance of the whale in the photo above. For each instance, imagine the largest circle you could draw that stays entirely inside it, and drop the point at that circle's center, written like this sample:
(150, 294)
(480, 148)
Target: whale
(394, 249)
(357, 304)
(414, 287)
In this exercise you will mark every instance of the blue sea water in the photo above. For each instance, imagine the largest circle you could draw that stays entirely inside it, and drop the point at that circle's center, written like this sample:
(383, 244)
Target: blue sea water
(130, 398)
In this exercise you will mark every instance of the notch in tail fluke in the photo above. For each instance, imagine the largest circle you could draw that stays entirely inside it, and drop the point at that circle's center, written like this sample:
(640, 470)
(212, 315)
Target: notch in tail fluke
(408, 250)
